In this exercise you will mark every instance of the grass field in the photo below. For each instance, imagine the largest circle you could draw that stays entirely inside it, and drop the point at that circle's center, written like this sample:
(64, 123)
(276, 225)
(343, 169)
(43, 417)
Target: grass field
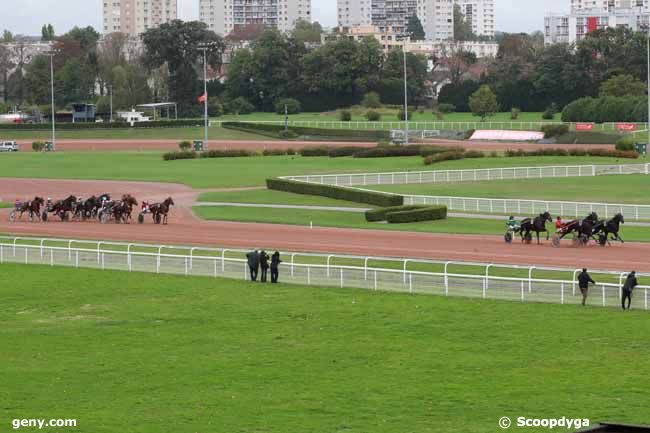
(267, 196)
(231, 172)
(612, 189)
(4, 205)
(125, 352)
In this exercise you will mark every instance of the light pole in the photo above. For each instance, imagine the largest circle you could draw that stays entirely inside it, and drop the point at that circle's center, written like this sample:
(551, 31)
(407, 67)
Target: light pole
(648, 43)
(51, 54)
(403, 38)
(111, 102)
(204, 48)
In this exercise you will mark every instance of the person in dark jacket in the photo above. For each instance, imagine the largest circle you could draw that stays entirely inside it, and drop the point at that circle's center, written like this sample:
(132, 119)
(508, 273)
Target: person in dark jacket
(275, 265)
(630, 283)
(253, 264)
(583, 282)
(264, 265)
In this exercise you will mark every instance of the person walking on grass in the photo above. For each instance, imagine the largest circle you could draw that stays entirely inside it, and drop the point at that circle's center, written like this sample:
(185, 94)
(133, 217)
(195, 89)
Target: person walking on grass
(630, 283)
(583, 282)
(275, 267)
(264, 264)
(253, 263)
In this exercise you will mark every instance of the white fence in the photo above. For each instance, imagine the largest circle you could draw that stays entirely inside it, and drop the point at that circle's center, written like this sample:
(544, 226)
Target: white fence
(444, 283)
(471, 175)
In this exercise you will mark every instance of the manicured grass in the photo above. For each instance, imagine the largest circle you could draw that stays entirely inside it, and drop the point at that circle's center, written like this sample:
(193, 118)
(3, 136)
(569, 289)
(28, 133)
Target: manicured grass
(357, 220)
(152, 353)
(267, 196)
(612, 189)
(4, 205)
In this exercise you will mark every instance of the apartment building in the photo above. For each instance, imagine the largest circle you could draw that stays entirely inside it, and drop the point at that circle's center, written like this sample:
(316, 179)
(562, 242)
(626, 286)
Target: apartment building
(224, 16)
(480, 14)
(133, 17)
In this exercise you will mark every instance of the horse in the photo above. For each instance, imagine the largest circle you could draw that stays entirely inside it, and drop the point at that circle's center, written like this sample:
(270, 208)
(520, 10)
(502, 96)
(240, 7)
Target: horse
(123, 209)
(62, 207)
(159, 210)
(86, 209)
(537, 225)
(608, 227)
(33, 207)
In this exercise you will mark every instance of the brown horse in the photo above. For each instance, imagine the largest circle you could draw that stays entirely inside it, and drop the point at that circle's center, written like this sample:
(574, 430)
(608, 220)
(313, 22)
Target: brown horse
(122, 209)
(160, 211)
(32, 207)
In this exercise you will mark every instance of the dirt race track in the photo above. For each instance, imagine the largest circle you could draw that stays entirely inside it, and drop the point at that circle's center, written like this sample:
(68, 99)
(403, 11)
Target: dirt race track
(185, 229)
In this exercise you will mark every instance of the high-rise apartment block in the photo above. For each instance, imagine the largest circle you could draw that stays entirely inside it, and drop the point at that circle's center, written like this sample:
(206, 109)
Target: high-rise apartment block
(133, 17)
(224, 16)
(480, 14)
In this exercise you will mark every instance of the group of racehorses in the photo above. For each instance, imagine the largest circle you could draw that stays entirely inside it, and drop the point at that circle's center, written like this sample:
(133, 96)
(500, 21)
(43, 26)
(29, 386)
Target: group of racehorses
(100, 207)
(582, 230)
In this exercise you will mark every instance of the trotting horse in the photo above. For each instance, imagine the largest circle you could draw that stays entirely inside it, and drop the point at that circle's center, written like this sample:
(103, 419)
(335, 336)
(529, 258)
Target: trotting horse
(160, 211)
(537, 225)
(32, 207)
(62, 207)
(612, 226)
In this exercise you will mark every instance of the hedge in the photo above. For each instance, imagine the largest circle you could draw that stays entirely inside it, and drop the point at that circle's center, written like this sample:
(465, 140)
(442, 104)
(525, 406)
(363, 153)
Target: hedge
(104, 125)
(607, 109)
(573, 152)
(303, 131)
(431, 213)
(375, 215)
(336, 192)
(551, 131)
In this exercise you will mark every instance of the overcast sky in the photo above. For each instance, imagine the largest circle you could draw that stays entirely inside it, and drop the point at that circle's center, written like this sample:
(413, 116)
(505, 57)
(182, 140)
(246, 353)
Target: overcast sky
(27, 16)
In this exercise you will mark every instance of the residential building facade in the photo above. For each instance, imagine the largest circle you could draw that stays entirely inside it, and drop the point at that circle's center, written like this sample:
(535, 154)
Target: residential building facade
(388, 38)
(224, 16)
(133, 17)
(480, 14)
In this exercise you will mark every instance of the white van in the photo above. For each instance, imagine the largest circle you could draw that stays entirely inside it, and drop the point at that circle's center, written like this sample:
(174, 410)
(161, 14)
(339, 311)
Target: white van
(9, 146)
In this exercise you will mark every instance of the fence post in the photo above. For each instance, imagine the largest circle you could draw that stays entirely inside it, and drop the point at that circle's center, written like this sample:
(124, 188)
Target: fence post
(51, 257)
(484, 287)
(404, 271)
(602, 287)
(158, 262)
(223, 261)
(376, 281)
(26, 259)
(341, 277)
(69, 250)
(129, 260)
(446, 279)
(487, 277)
(1, 254)
(410, 283)
(365, 268)
(646, 298)
(523, 291)
(215, 267)
(328, 265)
(562, 293)
(530, 279)
(308, 276)
(186, 270)
(103, 261)
(292, 262)
(245, 271)
(76, 260)
(42, 240)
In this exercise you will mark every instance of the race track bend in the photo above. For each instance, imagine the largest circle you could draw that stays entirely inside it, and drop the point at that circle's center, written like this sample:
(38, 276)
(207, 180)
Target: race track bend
(186, 229)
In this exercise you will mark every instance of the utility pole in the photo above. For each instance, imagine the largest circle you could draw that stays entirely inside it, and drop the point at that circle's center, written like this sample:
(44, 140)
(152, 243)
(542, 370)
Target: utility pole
(204, 48)
(406, 99)
(648, 43)
(111, 102)
(51, 54)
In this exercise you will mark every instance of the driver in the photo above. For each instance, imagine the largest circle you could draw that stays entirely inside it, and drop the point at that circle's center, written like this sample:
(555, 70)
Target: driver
(17, 203)
(559, 224)
(512, 224)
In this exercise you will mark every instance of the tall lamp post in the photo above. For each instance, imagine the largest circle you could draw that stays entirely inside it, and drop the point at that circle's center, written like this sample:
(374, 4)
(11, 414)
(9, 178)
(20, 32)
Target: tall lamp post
(51, 54)
(204, 48)
(648, 43)
(403, 38)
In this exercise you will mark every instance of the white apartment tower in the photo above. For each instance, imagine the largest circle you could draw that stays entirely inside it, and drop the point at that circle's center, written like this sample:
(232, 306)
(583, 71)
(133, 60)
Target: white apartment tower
(436, 16)
(224, 16)
(480, 14)
(608, 5)
(133, 17)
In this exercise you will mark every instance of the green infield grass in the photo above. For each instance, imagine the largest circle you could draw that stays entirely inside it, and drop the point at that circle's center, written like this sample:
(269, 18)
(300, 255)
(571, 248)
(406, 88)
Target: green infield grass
(267, 196)
(5, 205)
(604, 189)
(152, 353)
(233, 172)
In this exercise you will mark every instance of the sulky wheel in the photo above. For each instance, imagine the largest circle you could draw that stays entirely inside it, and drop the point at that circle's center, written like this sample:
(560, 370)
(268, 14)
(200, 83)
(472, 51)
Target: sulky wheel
(141, 219)
(602, 240)
(158, 218)
(555, 241)
(12, 216)
(103, 217)
(528, 238)
(508, 237)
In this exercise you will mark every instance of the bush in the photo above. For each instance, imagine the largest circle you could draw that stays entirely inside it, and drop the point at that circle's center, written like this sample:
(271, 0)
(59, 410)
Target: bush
(400, 114)
(314, 151)
(293, 106)
(625, 143)
(446, 108)
(288, 134)
(373, 116)
(439, 115)
(411, 216)
(38, 146)
(171, 156)
(388, 151)
(368, 197)
(274, 152)
(229, 153)
(336, 152)
(291, 151)
(607, 109)
(551, 131)
(474, 154)
(240, 106)
(434, 150)
(573, 152)
(550, 112)
(215, 108)
(345, 115)
(514, 113)
(371, 100)
(444, 156)
(184, 145)
(379, 214)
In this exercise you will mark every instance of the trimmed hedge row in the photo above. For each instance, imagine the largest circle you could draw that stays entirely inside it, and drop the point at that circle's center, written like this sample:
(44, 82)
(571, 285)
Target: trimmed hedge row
(573, 152)
(376, 215)
(337, 192)
(377, 152)
(105, 125)
(303, 131)
(431, 213)
(607, 109)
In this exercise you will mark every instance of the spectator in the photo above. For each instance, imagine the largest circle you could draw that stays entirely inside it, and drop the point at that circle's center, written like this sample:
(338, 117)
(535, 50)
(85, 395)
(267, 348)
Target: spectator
(630, 283)
(264, 264)
(253, 263)
(275, 264)
(583, 282)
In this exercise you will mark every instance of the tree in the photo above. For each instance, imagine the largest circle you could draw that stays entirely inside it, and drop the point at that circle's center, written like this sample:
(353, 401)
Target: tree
(87, 37)
(7, 36)
(176, 44)
(623, 85)
(483, 102)
(304, 31)
(5, 66)
(392, 88)
(458, 94)
(414, 28)
(37, 81)
(462, 27)
(74, 82)
(371, 100)
(47, 33)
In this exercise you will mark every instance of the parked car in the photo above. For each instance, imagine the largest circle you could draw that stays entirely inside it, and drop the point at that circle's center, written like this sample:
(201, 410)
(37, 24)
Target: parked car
(9, 146)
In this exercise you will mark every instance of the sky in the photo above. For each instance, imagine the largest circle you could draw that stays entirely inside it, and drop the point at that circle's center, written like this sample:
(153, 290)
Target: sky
(28, 16)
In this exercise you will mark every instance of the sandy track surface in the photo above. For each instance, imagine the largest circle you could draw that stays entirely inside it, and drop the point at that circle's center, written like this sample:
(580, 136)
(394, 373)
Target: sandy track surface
(100, 145)
(185, 229)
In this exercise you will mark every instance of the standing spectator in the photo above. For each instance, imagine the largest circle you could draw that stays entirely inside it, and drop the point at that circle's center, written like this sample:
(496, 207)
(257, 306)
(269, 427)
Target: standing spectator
(264, 264)
(275, 264)
(253, 263)
(583, 282)
(628, 287)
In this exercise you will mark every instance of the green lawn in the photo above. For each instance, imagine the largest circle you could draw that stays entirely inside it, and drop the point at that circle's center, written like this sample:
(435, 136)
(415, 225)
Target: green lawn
(267, 196)
(153, 353)
(4, 205)
(357, 220)
(231, 172)
(612, 189)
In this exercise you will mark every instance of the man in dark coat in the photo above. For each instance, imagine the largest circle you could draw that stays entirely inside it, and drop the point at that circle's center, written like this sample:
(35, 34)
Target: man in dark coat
(630, 283)
(275, 265)
(264, 264)
(583, 282)
(253, 264)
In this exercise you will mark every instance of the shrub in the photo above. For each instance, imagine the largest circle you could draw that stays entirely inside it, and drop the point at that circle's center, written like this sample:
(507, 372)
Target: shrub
(171, 156)
(293, 106)
(38, 146)
(446, 108)
(440, 115)
(551, 131)
(184, 145)
(371, 100)
(274, 152)
(288, 134)
(514, 113)
(373, 116)
(379, 214)
(388, 151)
(215, 108)
(410, 216)
(434, 150)
(240, 106)
(336, 152)
(550, 112)
(400, 114)
(625, 143)
(345, 115)
(474, 154)
(314, 151)
(607, 109)
(337, 192)
(573, 152)
(444, 156)
(228, 153)
(291, 151)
